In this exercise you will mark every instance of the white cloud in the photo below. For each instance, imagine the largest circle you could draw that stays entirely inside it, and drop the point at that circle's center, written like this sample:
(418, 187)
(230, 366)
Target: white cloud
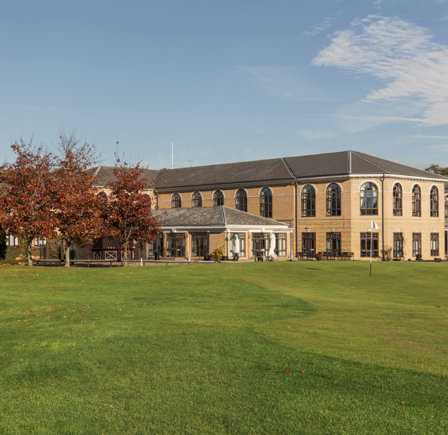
(318, 28)
(285, 83)
(400, 53)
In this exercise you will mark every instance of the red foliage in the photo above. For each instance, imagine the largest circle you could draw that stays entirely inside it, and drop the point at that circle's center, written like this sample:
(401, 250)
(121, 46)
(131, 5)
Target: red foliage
(27, 197)
(127, 212)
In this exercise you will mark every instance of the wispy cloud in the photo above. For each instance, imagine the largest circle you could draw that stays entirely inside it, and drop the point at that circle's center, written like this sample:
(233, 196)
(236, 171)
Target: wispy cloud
(400, 53)
(421, 136)
(286, 83)
(319, 28)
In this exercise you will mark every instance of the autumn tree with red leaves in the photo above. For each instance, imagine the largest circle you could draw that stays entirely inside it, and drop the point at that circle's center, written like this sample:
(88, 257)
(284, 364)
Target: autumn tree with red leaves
(76, 201)
(127, 212)
(27, 197)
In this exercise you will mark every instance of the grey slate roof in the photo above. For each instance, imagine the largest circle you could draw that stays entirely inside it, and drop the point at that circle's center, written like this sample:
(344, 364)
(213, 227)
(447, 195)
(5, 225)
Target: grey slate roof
(258, 170)
(105, 174)
(211, 216)
(350, 163)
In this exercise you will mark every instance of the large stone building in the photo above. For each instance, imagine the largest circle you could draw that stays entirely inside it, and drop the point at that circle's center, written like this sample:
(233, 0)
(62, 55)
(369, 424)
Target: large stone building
(327, 202)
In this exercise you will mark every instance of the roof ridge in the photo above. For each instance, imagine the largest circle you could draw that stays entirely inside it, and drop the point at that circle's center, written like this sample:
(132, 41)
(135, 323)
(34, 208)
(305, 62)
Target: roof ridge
(224, 218)
(288, 168)
(367, 160)
(349, 162)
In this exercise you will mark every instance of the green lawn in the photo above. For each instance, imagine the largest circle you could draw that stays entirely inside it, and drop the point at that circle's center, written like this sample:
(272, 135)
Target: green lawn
(204, 349)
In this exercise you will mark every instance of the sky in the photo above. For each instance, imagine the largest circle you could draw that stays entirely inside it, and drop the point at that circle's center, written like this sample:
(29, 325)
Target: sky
(227, 81)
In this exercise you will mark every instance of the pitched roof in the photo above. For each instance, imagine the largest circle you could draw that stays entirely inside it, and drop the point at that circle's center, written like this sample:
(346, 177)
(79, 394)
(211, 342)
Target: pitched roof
(351, 163)
(105, 175)
(211, 216)
(258, 170)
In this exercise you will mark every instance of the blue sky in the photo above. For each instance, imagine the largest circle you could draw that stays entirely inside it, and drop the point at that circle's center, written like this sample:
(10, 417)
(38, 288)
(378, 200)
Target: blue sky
(228, 81)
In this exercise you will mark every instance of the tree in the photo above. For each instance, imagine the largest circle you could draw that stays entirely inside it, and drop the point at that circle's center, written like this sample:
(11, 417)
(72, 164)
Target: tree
(76, 201)
(26, 203)
(3, 246)
(127, 210)
(436, 169)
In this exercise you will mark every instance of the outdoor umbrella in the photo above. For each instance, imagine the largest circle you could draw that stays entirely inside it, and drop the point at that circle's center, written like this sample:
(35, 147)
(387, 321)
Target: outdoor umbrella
(236, 245)
(272, 247)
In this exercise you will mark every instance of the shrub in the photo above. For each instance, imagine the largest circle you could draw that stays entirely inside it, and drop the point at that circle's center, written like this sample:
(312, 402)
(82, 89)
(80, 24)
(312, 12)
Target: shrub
(318, 256)
(217, 254)
(418, 257)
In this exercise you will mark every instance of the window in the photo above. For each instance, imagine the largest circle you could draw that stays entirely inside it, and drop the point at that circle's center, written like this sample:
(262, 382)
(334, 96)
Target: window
(446, 211)
(308, 201)
(199, 244)
(416, 244)
(280, 244)
(367, 248)
(175, 245)
(241, 241)
(241, 200)
(333, 200)
(156, 246)
(416, 201)
(260, 244)
(39, 241)
(103, 197)
(369, 199)
(196, 200)
(334, 242)
(398, 200)
(398, 245)
(176, 201)
(309, 243)
(12, 241)
(434, 244)
(434, 202)
(266, 202)
(218, 198)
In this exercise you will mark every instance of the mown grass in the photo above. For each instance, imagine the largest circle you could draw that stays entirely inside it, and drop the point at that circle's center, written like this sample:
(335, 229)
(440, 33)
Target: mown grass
(204, 349)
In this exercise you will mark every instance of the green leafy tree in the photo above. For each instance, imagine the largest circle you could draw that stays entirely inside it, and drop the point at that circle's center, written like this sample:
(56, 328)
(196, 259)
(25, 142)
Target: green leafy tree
(436, 169)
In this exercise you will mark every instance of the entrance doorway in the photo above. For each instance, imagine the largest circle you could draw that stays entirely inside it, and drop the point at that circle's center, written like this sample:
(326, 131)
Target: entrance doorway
(309, 243)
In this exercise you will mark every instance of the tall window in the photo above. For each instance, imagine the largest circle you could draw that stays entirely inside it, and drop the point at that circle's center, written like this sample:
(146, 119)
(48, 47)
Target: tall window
(218, 198)
(446, 211)
(434, 244)
(280, 244)
(196, 200)
(416, 244)
(398, 245)
(334, 242)
(416, 201)
(308, 201)
(398, 200)
(266, 202)
(434, 202)
(241, 200)
(366, 244)
(333, 200)
(369, 199)
(175, 245)
(12, 241)
(309, 243)
(176, 201)
(199, 244)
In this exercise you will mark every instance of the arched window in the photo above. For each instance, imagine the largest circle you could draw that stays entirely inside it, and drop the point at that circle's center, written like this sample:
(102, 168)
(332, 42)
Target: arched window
(416, 201)
(398, 200)
(176, 201)
(218, 198)
(308, 201)
(241, 200)
(196, 200)
(266, 202)
(434, 202)
(103, 197)
(369, 199)
(333, 200)
(446, 211)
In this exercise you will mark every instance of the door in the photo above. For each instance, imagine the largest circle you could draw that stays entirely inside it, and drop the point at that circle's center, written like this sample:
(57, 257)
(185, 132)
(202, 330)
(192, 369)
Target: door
(309, 243)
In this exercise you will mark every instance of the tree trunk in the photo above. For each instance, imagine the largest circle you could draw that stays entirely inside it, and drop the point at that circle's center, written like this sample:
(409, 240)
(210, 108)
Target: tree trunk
(67, 256)
(125, 252)
(29, 253)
